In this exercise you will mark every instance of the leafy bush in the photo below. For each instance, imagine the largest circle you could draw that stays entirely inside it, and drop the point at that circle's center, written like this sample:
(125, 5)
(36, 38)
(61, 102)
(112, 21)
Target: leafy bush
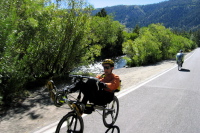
(153, 44)
(40, 39)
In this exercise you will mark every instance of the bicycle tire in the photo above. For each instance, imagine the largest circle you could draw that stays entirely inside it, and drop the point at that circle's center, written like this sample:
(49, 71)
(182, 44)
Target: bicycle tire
(110, 117)
(70, 123)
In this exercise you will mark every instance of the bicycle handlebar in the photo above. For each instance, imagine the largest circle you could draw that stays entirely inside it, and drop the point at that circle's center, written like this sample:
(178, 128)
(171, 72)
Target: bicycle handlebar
(81, 77)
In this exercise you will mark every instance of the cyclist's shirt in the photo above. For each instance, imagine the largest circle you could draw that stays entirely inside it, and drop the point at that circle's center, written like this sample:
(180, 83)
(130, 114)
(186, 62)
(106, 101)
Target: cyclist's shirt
(179, 56)
(112, 81)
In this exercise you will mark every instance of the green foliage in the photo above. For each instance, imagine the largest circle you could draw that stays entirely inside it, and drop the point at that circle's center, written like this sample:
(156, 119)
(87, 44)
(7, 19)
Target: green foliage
(108, 35)
(128, 60)
(197, 37)
(136, 29)
(181, 14)
(153, 44)
(102, 13)
(84, 73)
(145, 48)
(133, 35)
(39, 40)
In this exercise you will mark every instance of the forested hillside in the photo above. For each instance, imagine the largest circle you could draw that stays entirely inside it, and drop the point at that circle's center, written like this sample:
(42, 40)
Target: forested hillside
(179, 14)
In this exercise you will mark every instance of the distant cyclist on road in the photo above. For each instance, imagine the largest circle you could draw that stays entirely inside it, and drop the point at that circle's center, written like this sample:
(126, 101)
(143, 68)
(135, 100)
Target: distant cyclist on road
(180, 57)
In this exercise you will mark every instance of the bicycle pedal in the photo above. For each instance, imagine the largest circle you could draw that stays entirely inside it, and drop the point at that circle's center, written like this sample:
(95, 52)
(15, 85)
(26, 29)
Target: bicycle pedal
(88, 109)
(61, 101)
(89, 105)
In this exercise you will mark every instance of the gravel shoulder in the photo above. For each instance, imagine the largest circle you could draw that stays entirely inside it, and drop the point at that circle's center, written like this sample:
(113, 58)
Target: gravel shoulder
(37, 111)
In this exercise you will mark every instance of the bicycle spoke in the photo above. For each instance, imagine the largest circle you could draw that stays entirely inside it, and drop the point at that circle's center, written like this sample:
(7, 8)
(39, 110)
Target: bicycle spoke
(111, 113)
(71, 123)
(75, 124)
(113, 118)
(113, 104)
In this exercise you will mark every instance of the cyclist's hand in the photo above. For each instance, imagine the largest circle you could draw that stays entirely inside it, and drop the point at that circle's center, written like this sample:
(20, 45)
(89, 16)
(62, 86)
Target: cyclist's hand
(68, 91)
(102, 85)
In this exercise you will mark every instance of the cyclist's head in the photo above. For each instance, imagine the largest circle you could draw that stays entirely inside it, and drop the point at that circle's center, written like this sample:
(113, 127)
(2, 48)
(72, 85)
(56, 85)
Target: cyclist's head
(108, 61)
(181, 51)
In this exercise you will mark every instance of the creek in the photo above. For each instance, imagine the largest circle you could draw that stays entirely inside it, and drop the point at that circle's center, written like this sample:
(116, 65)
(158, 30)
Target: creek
(97, 67)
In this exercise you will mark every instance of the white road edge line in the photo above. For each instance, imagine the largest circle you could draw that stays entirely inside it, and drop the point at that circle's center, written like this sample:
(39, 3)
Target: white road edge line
(132, 88)
(52, 127)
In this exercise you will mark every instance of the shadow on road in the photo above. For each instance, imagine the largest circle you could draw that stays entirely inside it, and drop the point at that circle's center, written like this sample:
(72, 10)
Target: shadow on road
(40, 99)
(184, 70)
(113, 129)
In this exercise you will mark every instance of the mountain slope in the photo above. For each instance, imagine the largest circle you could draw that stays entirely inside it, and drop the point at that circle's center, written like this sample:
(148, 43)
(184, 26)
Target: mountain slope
(182, 14)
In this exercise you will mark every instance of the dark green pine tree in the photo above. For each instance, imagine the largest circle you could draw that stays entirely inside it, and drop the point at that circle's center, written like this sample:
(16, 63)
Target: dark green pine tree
(102, 13)
(136, 29)
(197, 37)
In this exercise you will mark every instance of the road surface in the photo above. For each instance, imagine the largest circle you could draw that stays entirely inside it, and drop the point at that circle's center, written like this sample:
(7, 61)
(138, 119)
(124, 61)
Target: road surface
(168, 103)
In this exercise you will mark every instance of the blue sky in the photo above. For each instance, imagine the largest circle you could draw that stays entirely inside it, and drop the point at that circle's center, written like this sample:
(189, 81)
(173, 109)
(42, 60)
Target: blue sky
(104, 3)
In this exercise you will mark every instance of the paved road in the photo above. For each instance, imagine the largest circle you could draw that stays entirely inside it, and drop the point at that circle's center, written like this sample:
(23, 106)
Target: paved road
(169, 103)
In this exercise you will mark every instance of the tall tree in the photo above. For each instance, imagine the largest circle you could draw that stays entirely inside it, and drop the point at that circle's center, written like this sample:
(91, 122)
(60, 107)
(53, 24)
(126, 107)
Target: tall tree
(41, 39)
(107, 34)
(197, 37)
(102, 13)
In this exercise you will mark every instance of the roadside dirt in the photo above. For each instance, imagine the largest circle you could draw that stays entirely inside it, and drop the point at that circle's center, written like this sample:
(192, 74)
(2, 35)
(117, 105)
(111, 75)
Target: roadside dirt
(37, 111)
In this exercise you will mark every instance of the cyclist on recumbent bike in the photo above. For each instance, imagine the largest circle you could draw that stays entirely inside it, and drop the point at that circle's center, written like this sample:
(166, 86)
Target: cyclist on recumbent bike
(99, 90)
